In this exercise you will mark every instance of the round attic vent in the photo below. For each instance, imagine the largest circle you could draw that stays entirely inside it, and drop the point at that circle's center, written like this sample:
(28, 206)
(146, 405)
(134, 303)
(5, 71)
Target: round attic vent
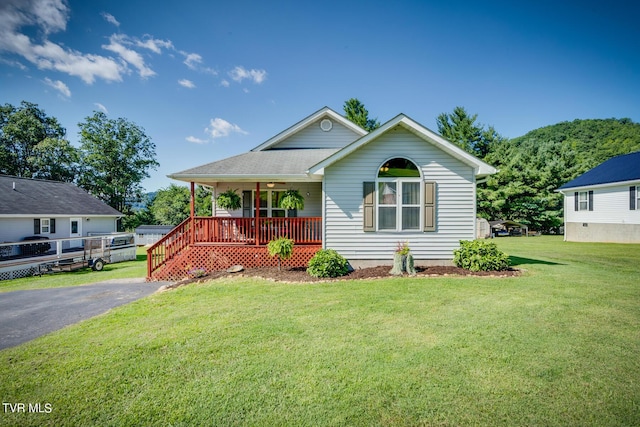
(326, 125)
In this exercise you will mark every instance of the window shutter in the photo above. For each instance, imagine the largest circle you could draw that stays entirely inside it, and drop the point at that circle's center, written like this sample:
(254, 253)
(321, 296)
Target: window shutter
(52, 225)
(632, 198)
(246, 204)
(36, 226)
(575, 201)
(591, 200)
(429, 206)
(369, 206)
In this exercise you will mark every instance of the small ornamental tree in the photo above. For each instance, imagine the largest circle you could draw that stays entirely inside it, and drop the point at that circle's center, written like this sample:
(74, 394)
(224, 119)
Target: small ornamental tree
(480, 255)
(280, 247)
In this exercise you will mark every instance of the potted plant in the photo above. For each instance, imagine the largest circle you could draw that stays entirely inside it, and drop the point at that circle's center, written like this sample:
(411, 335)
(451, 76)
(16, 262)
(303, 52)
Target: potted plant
(229, 200)
(292, 199)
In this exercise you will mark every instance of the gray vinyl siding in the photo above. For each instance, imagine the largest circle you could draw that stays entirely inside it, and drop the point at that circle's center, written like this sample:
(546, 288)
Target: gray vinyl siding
(455, 211)
(16, 229)
(314, 137)
(312, 200)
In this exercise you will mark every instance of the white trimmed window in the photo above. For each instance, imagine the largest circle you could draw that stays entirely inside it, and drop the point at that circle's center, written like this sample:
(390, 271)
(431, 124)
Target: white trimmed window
(399, 196)
(583, 201)
(44, 226)
(269, 205)
(396, 201)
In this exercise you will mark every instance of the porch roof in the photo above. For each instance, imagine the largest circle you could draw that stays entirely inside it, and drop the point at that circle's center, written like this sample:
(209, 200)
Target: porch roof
(270, 165)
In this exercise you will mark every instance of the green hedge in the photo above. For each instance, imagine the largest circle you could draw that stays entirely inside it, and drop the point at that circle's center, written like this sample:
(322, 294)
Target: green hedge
(328, 263)
(480, 255)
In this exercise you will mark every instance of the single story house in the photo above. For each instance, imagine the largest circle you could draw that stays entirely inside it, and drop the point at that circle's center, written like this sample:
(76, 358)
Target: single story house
(51, 209)
(150, 234)
(363, 193)
(603, 204)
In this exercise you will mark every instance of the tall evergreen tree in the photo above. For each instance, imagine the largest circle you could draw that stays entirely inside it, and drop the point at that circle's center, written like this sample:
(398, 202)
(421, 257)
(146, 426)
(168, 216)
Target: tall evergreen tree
(358, 114)
(461, 128)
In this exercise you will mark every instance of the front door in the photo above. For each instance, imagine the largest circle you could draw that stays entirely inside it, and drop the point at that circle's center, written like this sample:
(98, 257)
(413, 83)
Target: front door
(75, 231)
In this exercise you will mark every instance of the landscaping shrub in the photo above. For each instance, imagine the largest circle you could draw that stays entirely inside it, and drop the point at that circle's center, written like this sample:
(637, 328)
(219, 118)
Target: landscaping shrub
(480, 255)
(328, 263)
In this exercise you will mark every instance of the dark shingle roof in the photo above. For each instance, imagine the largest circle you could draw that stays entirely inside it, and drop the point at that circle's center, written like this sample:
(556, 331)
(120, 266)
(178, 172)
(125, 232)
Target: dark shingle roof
(617, 169)
(41, 197)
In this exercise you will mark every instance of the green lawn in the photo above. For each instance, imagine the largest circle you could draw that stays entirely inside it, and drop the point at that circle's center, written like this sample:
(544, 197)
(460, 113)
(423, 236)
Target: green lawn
(557, 346)
(121, 270)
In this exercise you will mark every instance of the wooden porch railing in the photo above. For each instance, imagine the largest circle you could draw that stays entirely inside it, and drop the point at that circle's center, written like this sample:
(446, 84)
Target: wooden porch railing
(168, 247)
(248, 231)
(244, 230)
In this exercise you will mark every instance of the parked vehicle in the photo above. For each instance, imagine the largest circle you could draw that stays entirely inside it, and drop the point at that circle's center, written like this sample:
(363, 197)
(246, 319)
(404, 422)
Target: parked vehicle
(35, 248)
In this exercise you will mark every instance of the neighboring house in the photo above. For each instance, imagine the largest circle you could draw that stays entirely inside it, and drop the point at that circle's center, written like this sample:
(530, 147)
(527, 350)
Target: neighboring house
(603, 204)
(364, 192)
(150, 234)
(51, 209)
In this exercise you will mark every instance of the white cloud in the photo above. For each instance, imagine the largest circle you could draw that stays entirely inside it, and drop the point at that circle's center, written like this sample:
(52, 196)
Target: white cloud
(45, 17)
(59, 86)
(110, 19)
(239, 73)
(195, 140)
(192, 60)
(117, 45)
(101, 107)
(154, 45)
(186, 83)
(224, 83)
(219, 128)
(50, 16)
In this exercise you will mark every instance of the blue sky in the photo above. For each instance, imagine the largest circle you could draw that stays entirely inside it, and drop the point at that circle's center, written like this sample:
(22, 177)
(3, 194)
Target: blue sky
(210, 79)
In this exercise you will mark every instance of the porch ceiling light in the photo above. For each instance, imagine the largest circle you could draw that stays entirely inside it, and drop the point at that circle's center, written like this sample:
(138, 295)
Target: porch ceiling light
(271, 184)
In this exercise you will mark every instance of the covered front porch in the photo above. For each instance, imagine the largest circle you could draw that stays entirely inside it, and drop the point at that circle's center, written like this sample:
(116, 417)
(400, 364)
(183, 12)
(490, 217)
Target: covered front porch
(204, 244)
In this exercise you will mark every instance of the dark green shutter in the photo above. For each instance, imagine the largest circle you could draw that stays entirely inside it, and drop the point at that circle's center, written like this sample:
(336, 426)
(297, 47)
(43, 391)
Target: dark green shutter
(52, 226)
(369, 206)
(575, 201)
(632, 197)
(591, 200)
(430, 197)
(36, 226)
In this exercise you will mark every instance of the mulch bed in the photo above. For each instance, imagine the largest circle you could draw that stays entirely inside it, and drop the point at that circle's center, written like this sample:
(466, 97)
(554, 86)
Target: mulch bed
(300, 275)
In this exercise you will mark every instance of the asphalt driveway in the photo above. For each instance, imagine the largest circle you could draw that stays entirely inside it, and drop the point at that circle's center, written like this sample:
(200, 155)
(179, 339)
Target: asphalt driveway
(25, 315)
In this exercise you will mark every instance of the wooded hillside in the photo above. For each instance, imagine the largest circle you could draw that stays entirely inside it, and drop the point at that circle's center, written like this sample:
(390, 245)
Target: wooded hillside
(534, 165)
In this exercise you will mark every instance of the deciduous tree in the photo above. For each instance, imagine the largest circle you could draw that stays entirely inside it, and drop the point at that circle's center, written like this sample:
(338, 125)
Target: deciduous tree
(116, 155)
(22, 130)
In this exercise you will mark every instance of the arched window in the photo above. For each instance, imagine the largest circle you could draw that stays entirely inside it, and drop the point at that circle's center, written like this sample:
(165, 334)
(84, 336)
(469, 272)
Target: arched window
(399, 198)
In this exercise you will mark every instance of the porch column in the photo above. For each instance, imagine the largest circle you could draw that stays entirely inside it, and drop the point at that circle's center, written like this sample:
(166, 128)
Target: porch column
(257, 214)
(192, 234)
